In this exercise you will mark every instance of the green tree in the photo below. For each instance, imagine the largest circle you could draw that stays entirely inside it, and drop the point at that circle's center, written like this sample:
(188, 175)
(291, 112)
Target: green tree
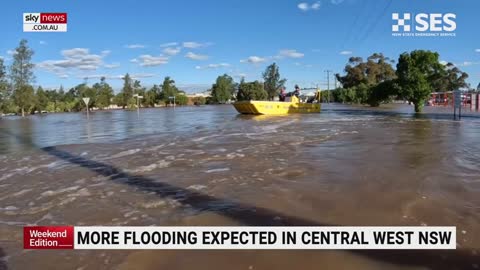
(449, 79)
(382, 92)
(273, 83)
(416, 73)
(168, 90)
(84, 91)
(5, 89)
(104, 94)
(222, 89)
(251, 91)
(127, 92)
(199, 100)
(151, 96)
(24, 98)
(181, 99)
(41, 100)
(54, 98)
(361, 77)
(21, 74)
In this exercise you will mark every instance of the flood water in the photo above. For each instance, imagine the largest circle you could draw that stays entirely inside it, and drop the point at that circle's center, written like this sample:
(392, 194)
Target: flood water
(210, 166)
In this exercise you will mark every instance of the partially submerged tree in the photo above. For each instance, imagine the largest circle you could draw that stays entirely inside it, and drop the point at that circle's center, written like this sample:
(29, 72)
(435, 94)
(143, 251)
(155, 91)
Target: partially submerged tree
(416, 73)
(104, 94)
(222, 89)
(168, 90)
(272, 81)
(21, 74)
(251, 91)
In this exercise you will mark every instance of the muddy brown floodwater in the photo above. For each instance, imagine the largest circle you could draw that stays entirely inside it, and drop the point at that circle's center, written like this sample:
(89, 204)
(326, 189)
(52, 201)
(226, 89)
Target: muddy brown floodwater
(209, 166)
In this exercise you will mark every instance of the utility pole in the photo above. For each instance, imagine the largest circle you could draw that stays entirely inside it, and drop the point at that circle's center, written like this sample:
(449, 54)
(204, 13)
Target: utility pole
(328, 84)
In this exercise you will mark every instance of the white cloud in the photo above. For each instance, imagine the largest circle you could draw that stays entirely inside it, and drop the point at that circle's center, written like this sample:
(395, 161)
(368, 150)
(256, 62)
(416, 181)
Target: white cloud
(172, 51)
(11, 52)
(117, 77)
(134, 60)
(443, 62)
(76, 58)
(169, 44)
(466, 64)
(240, 75)
(303, 6)
(194, 45)
(337, 2)
(346, 52)
(43, 42)
(477, 50)
(114, 65)
(306, 6)
(142, 75)
(105, 52)
(290, 54)
(63, 76)
(147, 60)
(194, 56)
(213, 66)
(253, 60)
(135, 46)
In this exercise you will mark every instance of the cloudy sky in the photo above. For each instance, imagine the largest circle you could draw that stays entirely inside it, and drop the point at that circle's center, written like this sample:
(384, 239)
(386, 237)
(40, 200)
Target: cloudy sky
(195, 41)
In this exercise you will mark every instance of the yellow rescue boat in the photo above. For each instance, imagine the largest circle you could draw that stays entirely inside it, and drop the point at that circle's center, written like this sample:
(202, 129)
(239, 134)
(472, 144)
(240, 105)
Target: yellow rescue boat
(291, 105)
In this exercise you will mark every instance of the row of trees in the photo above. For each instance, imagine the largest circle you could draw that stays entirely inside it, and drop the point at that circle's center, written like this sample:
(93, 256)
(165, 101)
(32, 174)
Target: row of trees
(18, 95)
(416, 76)
(225, 89)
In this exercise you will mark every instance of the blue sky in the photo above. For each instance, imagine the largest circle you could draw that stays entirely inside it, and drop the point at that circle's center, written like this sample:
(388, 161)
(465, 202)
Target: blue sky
(195, 41)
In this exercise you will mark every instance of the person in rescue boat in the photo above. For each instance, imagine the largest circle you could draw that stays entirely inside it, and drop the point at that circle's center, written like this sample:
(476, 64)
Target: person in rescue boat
(282, 95)
(297, 91)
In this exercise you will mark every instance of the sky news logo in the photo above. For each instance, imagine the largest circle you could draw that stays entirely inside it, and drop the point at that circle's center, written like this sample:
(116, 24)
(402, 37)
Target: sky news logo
(424, 24)
(44, 22)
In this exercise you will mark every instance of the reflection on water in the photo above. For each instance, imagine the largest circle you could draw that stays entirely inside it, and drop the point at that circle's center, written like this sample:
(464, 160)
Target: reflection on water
(210, 166)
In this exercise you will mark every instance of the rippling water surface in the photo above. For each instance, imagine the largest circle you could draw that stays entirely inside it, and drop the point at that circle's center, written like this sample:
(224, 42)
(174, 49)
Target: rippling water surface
(209, 166)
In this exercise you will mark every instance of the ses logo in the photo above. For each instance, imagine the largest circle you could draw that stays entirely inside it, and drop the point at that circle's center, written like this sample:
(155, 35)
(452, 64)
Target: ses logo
(424, 25)
(44, 22)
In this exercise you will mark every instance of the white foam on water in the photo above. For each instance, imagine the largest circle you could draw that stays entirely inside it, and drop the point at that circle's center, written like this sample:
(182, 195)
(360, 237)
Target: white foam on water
(194, 152)
(218, 170)
(49, 193)
(153, 204)
(156, 147)
(21, 192)
(200, 139)
(9, 208)
(81, 193)
(151, 167)
(6, 176)
(125, 153)
(234, 155)
(197, 187)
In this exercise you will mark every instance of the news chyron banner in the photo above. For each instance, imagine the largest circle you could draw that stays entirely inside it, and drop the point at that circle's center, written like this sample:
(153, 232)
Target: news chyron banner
(44, 22)
(70, 237)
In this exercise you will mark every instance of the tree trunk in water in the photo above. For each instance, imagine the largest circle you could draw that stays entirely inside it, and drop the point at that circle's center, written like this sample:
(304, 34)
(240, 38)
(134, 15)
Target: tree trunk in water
(23, 112)
(418, 107)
